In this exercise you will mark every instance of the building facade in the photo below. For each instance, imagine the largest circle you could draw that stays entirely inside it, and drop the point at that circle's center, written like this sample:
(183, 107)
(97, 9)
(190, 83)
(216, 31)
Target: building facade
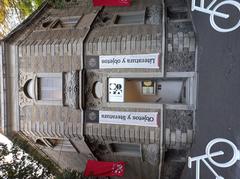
(104, 83)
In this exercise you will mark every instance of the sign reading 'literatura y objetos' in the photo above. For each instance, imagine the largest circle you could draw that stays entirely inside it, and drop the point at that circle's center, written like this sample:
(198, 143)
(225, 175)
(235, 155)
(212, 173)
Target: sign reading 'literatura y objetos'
(149, 119)
(129, 61)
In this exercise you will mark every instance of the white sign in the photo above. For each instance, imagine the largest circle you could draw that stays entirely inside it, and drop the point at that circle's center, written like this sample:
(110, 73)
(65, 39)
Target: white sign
(149, 119)
(208, 157)
(116, 89)
(129, 61)
(212, 10)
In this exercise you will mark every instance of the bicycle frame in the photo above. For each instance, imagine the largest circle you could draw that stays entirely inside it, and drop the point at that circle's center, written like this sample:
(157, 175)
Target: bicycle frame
(202, 158)
(207, 10)
(208, 155)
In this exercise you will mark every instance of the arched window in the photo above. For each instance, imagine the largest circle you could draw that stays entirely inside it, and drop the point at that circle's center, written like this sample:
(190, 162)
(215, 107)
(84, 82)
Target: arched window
(29, 89)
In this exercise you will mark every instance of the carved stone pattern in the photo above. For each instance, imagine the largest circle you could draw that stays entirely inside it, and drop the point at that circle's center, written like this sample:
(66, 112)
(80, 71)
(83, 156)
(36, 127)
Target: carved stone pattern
(151, 153)
(23, 99)
(98, 147)
(91, 78)
(71, 89)
(24, 77)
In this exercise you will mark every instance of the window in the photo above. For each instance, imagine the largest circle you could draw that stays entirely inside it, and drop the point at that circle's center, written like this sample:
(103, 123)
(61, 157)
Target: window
(56, 24)
(130, 18)
(29, 89)
(126, 149)
(64, 22)
(46, 24)
(70, 22)
(45, 89)
(50, 88)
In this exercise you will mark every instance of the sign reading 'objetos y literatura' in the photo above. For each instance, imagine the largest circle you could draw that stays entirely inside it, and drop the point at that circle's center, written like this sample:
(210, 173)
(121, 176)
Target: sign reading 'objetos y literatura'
(129, 61)
(149, 119)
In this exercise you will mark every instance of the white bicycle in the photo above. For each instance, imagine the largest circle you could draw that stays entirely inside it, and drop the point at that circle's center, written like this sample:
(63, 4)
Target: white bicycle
(212, 10)
(209, 156)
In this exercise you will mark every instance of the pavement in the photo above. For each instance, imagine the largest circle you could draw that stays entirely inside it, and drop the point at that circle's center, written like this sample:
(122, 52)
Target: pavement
(218, 107)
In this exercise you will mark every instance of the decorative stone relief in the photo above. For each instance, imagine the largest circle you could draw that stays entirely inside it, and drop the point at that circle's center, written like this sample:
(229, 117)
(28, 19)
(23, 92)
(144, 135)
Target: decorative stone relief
(153, 15)
(98, 147)
(23, 99)
(91, 79)
(24, 77)
(151, 153)
(71, 89)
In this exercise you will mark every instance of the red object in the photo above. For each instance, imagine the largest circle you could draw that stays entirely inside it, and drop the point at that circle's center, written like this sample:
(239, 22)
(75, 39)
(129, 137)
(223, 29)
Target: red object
(111, 2)
(99, 168)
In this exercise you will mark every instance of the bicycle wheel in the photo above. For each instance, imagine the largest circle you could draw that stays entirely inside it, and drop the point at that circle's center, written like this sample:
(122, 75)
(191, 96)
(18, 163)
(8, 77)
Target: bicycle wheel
(227, 164)
(213, 23)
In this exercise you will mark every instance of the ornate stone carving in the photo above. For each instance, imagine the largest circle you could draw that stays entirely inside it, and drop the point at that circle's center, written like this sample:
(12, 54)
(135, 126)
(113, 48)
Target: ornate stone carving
(23, 77)
(23, 99)
(71, 89)
(91, 79)
(151, 153)
(98, 147)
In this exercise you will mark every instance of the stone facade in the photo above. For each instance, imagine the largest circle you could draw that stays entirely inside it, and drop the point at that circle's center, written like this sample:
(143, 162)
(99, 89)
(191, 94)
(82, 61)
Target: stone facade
(56, 53)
